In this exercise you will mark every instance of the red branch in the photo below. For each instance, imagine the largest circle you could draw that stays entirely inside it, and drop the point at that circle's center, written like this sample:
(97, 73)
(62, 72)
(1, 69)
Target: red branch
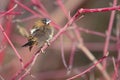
(19, 57)
(109, 30)
(99, 9)
(8, 11)
(87, 70)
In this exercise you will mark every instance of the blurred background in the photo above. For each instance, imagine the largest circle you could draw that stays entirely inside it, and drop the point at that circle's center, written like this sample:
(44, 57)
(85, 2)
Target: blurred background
(52, 66)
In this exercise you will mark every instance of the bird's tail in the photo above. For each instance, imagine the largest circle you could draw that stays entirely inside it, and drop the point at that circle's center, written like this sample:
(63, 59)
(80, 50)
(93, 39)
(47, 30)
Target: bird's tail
(30, 44)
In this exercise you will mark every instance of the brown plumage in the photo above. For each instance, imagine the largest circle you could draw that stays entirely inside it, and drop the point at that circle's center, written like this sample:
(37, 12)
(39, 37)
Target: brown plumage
(41, 33)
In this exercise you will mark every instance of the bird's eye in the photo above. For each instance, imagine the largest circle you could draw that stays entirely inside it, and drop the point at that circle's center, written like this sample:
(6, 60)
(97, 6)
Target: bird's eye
(46, 21)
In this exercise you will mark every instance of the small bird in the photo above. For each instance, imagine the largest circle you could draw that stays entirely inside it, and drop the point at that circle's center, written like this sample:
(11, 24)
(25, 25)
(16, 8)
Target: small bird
(40, 34)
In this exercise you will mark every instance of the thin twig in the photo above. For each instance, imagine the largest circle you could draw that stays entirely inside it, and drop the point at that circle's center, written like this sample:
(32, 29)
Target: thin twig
(62, 52)
(87, 70)
(108, 32)
(8, 11)
(16, 52)
(99, 9)
(71, 59)
(94, 60)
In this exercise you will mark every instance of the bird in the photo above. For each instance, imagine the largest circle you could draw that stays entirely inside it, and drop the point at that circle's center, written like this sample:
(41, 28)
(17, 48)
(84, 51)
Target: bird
(40, 34)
